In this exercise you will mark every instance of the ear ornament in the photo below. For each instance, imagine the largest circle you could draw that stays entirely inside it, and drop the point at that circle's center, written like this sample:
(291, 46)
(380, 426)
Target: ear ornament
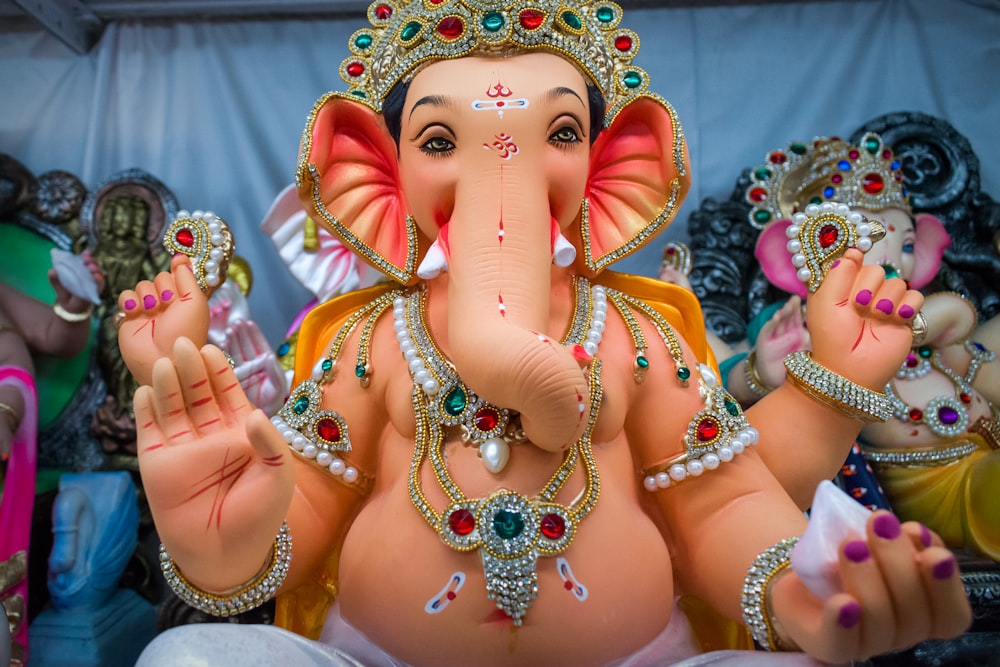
(205, 238)
(818, 237)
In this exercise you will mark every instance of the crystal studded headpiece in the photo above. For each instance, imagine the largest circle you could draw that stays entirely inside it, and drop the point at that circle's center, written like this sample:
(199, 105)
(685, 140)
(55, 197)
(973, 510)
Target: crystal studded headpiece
(406, 34)
(864, 176)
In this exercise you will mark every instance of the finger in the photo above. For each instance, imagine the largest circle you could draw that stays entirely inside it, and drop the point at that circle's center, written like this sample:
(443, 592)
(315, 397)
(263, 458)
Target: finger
(829, 630)
(165, 290)
(128, 302)
(231, 400)
(257, 339)
(168, 403)
(268, 443)
(184, 280)
(888, 297)
(866, 284)
(863, 580)
(920, 536)
(840, 278)
(949, 603)
(146, 293)
(149, 437)
(910, 305)
(243, 340)
(203, 410)
(895, 554)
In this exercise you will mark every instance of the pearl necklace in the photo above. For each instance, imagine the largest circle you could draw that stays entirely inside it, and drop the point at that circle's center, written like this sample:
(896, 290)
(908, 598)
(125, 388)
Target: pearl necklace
(509, 529)
(489, 427)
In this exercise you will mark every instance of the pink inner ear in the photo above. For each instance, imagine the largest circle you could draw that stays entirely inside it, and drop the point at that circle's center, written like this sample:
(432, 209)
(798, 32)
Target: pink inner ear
(931, 241)
(775, 260)
(359, 194)
(632, 176)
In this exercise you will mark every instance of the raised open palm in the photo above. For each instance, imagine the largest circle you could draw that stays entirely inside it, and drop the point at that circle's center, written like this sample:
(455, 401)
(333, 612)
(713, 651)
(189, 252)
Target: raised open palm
(216, 471)
(156, 313)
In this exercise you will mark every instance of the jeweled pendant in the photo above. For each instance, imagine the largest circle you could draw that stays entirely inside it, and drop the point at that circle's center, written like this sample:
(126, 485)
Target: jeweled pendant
(495, 453)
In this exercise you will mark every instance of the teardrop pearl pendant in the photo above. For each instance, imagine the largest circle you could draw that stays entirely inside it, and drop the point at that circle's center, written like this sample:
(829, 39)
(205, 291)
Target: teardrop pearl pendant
(495, 453)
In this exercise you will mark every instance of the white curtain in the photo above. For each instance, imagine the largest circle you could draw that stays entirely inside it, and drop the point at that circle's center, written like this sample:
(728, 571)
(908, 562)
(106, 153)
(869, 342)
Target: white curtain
(215, 109)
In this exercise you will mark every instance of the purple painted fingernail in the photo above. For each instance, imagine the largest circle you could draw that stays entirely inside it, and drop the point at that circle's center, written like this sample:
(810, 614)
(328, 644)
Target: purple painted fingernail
(835, 265)
(925, 535)
(849, 615)
(906, 311)
(864, 297)
(149, 301)
(944, 569)
(887, 526)
(885, 306)
(130, 304)
(856, 551)
(167, 295)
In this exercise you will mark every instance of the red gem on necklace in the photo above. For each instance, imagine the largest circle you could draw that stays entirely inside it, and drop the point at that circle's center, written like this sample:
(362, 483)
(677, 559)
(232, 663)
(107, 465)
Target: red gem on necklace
(530, 19)
(450, 27)
(708, 430)
(916, 414)
(911, 360)
(965, 398)
(872, 183)
(486, 419)
(553, 526)
(461, 522)
(185, 237)
(828, 236)
(328, 429)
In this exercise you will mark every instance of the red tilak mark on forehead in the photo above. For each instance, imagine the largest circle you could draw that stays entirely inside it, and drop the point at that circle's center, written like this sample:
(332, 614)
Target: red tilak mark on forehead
(892, 228)
(498, 90)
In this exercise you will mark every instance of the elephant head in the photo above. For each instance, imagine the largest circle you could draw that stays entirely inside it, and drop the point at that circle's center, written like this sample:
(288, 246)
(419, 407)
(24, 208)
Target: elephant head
(911, 249)
(491, 175)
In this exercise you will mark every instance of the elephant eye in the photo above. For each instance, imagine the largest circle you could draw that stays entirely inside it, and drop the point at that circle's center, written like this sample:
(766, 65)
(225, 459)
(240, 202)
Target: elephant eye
(437, 147)
(566, 135)
(908, 247)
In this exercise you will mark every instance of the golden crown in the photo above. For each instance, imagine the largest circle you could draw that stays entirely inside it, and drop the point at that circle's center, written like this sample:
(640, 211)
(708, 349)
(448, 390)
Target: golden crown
(406, 34)
(864, 176)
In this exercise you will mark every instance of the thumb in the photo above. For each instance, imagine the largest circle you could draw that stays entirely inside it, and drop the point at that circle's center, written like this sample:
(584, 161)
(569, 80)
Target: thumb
(268, 444)
(184, 278)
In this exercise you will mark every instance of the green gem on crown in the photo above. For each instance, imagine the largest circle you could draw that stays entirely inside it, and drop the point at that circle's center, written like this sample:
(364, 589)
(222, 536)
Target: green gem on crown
(493, 21)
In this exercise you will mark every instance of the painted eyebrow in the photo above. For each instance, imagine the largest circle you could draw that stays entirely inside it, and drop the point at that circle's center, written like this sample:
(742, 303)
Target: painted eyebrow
(561, 91)
(433, 100)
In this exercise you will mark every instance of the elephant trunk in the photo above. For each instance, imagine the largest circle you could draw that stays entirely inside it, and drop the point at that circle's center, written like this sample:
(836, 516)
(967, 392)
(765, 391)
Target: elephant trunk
(500, 274)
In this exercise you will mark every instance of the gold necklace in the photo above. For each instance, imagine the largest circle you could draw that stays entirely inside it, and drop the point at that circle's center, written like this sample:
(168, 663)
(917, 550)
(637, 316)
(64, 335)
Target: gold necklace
(509, 529)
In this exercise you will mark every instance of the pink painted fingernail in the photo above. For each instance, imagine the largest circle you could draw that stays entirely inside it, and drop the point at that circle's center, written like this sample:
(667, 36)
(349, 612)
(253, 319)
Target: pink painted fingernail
(885, 306)
(835, 265)
(130, 304)
(925, 535)
(849, 615)
(944, 569)
(906, 311)
(864, 297)
(167, 295)
(887, 526)
(856, 551)
(149, 301)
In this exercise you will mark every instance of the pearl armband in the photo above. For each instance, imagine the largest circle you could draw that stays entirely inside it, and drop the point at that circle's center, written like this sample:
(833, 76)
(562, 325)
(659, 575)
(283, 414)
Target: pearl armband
(249, 596)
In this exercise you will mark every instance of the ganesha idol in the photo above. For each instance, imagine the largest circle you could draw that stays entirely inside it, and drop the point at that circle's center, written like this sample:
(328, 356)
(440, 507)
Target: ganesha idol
(936, 458)
(510, 455)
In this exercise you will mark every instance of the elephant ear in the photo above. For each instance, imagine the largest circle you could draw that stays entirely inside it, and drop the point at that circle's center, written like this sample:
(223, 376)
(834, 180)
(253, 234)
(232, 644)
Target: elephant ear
(775, 260)
(348, 179)
(639, 175)
(932, 239)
